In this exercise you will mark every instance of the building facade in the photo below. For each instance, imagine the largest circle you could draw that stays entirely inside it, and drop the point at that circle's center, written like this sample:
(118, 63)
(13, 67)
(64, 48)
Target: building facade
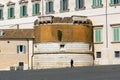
(103, 13)
(16, 49)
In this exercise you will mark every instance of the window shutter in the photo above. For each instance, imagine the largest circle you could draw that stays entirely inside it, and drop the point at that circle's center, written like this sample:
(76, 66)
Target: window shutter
(99, 33)
(1, 13)
(47, 7)
(38, 8)
(96, 35)
(115, 32)
(24, 49)
(66, 4)
(61, 5)
(33, 9)
(82, 3)
(118, 1)
(77, 4)
(12, 12)
(21, 11)
(17, 48)
(93, 3)
(111, 2)
(8, 13)
(100, 3)
(119, 34)
(25, 11)
(51, 6)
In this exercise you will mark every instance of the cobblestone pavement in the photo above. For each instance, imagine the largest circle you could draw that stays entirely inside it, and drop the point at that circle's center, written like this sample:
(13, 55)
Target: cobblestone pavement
(81, 73)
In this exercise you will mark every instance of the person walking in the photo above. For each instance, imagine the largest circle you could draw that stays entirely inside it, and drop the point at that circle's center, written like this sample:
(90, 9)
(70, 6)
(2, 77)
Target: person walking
(71, 63)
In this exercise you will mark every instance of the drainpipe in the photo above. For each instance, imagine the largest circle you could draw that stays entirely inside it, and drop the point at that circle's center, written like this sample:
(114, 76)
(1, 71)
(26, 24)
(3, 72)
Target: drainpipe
(32, 61)
(42, 8)
(106, 25)
(32, 55)
(28, 54)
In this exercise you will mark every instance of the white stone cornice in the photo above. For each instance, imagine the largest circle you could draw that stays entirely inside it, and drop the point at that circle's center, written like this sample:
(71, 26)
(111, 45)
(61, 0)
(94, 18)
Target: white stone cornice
(10, 3)
(23, 1)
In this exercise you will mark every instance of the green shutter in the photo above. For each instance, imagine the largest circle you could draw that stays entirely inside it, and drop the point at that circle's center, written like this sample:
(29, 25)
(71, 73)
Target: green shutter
(117, 37)
(66, 4)
(93, 3)
(119, 34)
(98, 35)
(117, 31)
(51, 6)
(38, 8)
(116, 34)
(77, 4)
(118, 1)
(47, 7)
(83, 3)
(21, 11)
(111, 2)
(25, 11)
(1, 13)
(61, 5)
(8, 13)
(100, 3)
(33, 9)
(13, 12)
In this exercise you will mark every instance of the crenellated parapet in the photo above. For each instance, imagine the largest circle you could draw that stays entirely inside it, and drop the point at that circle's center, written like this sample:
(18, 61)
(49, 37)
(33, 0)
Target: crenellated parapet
(71, 20)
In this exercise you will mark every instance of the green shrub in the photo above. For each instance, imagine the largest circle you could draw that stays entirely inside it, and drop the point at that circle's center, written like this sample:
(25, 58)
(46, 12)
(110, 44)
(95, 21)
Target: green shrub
(59, 34)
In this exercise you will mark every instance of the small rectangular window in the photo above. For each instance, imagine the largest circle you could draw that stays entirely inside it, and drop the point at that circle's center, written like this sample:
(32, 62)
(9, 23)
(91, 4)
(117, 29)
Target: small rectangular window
(98, 54)
(21, 63)
(117, 54)
(21, 49)
(62, 46)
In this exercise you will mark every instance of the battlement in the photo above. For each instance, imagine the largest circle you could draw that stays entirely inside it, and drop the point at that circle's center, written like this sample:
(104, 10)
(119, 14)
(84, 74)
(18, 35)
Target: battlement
(52, 20)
